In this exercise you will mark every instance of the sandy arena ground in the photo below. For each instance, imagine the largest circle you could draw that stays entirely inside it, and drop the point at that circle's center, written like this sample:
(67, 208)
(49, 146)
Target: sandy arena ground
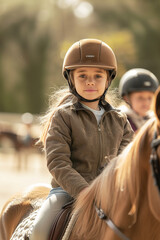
(14, 179)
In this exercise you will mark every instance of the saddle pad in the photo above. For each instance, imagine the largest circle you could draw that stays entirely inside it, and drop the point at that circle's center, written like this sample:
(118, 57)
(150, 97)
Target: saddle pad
(60, 223)
(25, 227)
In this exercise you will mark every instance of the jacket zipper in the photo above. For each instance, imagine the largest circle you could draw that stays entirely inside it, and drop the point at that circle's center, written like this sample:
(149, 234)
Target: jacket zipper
(100, 139)
(100, 147)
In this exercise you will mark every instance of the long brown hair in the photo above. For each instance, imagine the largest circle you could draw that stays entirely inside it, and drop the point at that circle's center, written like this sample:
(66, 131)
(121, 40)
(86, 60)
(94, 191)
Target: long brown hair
(58, 99)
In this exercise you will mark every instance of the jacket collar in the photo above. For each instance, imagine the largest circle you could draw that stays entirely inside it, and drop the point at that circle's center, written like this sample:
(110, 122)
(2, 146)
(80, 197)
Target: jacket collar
(78, 106)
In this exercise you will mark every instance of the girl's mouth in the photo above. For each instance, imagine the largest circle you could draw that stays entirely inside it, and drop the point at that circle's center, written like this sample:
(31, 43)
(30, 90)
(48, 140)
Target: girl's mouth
(90, 90)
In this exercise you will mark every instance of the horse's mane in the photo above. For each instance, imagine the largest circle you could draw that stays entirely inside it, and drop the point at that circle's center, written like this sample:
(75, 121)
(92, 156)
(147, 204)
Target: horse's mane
(123, 172)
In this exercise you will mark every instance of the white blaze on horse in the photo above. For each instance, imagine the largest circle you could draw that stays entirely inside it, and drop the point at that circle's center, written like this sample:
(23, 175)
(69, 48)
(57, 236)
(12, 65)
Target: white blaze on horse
(123, 202)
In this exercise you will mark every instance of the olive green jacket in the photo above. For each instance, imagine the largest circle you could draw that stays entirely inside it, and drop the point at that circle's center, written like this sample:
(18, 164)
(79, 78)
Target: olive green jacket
(77, 148)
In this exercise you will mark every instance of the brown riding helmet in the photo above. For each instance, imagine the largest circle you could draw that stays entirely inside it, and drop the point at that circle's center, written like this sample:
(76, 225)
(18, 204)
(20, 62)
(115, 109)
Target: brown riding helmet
(90, 53)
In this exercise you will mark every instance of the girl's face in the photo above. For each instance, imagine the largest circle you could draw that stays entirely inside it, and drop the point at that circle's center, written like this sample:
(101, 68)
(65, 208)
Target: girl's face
(141, 102)
(90, 83)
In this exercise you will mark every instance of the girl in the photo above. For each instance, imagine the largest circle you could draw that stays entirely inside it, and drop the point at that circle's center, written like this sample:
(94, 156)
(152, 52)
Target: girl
(84, 132)
(137, 87)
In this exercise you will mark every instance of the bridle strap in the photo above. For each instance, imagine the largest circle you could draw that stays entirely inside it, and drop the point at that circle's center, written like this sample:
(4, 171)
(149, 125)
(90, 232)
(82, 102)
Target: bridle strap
(109, 222)
(154, 161)
(155, 143)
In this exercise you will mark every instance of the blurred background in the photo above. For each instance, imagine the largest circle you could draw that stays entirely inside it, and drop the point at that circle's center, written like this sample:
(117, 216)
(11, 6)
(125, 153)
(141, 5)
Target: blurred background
(34, 36)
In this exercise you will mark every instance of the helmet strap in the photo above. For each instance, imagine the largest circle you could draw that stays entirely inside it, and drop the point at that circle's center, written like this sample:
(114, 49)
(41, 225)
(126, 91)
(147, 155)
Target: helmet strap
(88, 100)
(127, 100)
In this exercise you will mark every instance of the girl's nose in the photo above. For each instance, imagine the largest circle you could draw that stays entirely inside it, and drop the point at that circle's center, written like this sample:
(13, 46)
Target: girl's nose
(90, 81)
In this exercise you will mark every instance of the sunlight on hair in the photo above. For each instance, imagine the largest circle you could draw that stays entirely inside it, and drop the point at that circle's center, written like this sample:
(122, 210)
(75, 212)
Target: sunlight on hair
(112, 97)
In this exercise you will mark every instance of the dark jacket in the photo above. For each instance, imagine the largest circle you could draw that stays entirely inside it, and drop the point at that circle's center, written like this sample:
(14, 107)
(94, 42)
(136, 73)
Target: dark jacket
(77, 149)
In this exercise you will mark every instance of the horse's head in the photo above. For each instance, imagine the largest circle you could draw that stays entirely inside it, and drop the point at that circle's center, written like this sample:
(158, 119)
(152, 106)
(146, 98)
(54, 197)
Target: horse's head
(157, 113)
(154, 186)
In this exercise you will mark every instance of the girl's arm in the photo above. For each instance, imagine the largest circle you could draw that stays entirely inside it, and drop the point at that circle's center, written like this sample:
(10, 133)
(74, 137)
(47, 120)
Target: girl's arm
(58, 153)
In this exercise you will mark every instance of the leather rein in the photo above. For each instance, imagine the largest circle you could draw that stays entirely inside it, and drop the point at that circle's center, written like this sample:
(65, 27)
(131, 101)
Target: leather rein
(155, 165)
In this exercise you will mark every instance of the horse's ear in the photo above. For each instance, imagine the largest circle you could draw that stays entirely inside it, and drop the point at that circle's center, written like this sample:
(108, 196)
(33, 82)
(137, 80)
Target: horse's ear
(157, 103)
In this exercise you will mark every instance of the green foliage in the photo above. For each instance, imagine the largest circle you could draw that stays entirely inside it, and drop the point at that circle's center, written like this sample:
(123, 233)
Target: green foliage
(23, 56)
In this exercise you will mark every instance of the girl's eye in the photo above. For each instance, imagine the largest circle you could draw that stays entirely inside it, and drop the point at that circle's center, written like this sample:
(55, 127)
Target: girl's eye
(98, 76)
(82, 76)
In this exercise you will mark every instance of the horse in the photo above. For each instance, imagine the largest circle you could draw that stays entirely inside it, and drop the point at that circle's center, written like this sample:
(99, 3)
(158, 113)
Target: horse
(123, 202)
(18, 141)
(22, 145)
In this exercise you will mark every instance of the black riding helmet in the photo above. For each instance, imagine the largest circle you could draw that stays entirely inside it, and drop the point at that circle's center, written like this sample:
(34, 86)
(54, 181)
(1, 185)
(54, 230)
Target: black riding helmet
(137, 80)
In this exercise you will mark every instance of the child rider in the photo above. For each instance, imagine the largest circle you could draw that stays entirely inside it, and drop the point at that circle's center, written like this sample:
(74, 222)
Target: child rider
(83, 132)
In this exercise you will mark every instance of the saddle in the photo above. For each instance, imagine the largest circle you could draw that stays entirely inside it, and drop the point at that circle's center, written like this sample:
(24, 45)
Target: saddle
(61, 222)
